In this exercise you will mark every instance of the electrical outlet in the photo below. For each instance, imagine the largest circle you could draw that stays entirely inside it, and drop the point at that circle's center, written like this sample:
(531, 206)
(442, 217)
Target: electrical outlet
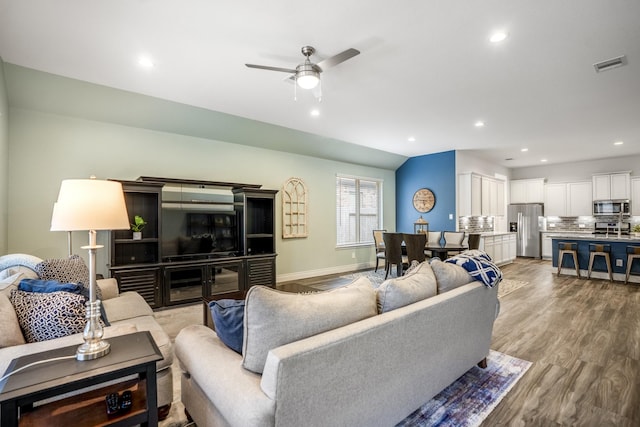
(580, 225)
(618, 263)
(552, 226)
(353, 255)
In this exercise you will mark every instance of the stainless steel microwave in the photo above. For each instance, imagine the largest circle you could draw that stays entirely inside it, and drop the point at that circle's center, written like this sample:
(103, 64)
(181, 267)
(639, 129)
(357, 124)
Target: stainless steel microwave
(611, 207)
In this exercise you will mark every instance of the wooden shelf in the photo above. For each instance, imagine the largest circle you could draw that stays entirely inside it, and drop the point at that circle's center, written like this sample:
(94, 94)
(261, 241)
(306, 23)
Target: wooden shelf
(131, 241)
(89, 408)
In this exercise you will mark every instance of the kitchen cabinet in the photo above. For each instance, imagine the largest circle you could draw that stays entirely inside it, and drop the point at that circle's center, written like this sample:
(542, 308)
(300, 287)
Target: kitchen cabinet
(547, 245)
(635, 196)
(568, 199)
(480, 195)
(612, 186)
(527, 190)
(501, 248)
(555, 199)
(579, 199)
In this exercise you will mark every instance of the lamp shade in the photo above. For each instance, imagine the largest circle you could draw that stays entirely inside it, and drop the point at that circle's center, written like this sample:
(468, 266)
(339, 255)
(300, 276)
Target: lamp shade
(89, 204)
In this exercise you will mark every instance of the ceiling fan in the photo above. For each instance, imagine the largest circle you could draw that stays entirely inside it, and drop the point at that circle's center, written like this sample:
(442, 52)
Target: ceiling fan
(307, 74)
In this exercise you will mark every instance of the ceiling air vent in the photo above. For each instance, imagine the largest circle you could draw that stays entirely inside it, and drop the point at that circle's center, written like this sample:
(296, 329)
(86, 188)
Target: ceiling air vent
(610, 63)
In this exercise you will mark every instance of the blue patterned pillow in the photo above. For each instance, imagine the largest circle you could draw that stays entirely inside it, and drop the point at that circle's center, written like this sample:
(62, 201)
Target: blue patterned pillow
(48, 286)
(228, 319)
(45, 316)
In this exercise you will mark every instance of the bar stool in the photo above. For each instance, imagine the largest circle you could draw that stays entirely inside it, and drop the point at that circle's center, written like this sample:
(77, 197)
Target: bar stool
(597, 249)
(566, 248)
(633, 253)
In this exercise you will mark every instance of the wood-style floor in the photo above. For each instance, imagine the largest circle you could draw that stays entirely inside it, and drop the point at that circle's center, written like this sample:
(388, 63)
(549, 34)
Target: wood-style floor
(583, 337)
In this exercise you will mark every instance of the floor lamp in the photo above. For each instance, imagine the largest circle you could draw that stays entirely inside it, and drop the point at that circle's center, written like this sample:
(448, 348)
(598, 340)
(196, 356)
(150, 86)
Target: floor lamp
(90, 204)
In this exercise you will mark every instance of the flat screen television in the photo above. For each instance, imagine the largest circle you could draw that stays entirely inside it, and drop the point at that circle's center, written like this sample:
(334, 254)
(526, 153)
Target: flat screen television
(188, 234)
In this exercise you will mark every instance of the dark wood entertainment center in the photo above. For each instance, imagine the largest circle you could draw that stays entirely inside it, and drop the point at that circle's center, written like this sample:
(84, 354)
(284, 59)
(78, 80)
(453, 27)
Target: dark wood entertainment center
(216, 241)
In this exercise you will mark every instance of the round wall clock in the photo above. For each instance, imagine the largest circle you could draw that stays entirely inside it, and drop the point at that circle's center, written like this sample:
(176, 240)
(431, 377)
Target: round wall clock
(424, 200)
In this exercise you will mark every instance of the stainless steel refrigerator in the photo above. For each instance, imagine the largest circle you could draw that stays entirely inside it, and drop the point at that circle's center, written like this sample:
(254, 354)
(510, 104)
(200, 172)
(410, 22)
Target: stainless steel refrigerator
(526, 220)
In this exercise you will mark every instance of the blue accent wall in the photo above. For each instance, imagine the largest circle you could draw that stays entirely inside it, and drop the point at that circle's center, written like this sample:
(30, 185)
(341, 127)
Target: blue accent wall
(436, 172)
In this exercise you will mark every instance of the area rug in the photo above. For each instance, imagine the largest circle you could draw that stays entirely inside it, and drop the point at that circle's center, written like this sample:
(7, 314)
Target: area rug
(376, 278)
(469, 400)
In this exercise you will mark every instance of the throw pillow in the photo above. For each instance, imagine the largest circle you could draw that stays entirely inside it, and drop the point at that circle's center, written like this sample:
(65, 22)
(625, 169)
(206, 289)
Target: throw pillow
(48, 286)
(273, 318)
(21, 260)
(11, 333)
(44, 317)
(416, 285)
(449, 276)
(69, 270)
(228, 319)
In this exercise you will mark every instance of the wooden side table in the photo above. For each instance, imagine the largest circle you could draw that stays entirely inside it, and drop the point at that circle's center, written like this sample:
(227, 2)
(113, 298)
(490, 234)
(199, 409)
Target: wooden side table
(132, 360)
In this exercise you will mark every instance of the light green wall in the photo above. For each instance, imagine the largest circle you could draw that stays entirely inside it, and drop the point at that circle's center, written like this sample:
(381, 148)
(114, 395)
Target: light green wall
(4, 160)
(45, 148)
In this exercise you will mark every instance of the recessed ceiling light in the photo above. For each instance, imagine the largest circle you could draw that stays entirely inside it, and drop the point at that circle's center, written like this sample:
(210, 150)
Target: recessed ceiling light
(411, 139)
(145, 62)
(524, 150)
(618, 143)
(479, 124)
(315, 113)
(497, 37)
(543, 160)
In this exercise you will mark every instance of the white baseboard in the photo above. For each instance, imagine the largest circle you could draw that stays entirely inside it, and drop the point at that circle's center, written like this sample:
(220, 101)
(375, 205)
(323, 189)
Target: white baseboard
(323, 271)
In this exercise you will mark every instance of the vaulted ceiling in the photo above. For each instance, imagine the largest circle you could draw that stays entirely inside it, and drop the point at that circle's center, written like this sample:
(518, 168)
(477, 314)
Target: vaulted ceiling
(426, 70)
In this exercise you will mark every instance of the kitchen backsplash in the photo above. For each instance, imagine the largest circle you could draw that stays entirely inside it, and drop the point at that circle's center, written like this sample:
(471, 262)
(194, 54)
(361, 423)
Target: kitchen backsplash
(475, 224)
(572, 223)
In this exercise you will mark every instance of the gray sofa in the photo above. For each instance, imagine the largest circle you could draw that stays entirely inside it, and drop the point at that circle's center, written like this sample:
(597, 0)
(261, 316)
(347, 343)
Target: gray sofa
(127, 312)
(374, 371)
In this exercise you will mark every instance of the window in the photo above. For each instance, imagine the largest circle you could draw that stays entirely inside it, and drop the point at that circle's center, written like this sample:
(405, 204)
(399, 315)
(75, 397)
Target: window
(358, 209)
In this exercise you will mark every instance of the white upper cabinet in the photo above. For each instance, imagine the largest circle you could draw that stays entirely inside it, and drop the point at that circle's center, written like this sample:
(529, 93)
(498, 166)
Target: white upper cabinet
(579, 199)
(527, 190)
(635, 196)
(480, 195)
(568, 199)
(555, 200)
(612, 186)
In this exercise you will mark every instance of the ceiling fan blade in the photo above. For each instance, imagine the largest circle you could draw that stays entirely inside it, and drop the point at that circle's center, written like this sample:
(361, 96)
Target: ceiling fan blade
(335, 60)
(265, 67)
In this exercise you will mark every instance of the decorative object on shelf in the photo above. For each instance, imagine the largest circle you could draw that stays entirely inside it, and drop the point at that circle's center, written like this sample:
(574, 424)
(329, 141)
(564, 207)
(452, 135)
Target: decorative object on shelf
(294, 209)
(636, 230)
(424, 200)
(137, 226)
(90, 204)
(421, 226)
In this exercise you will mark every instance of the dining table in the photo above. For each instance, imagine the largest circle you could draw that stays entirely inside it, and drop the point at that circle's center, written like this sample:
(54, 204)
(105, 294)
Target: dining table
(442, 250)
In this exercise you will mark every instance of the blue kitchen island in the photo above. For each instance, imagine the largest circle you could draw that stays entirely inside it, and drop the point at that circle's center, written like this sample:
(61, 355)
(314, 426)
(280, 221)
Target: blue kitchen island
(618, 256)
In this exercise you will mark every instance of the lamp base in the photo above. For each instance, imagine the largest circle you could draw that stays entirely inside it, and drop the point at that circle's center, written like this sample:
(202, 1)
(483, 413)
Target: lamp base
(93, 350)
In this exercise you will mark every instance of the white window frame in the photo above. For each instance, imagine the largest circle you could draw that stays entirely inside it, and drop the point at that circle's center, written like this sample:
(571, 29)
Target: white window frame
(368, 239)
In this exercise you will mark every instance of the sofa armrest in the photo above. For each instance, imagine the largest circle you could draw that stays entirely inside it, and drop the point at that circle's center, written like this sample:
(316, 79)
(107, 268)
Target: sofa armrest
(127, 305)
(218, 371)
(109, 288)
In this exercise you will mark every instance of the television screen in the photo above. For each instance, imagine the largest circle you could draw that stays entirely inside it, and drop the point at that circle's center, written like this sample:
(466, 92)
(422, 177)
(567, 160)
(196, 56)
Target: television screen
(187, 233)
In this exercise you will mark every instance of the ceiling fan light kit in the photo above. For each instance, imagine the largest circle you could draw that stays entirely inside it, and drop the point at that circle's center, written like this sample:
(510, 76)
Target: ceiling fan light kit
(307, 74)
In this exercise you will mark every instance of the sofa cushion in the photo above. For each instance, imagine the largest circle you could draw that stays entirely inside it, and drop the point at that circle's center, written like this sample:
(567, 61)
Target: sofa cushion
(10, 332)
(128, 305)
(273, 318)
(228, 320)
(416, 285)
(66, 270)
(47, 316)
(449, 276)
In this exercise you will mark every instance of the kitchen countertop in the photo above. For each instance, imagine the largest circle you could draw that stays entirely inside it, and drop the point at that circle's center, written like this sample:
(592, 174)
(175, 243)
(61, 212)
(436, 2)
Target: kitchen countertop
(496, 233)
(599, 237)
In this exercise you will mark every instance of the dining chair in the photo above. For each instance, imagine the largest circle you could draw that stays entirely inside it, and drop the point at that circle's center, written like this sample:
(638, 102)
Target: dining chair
(415, 246)
(433, 238)
(379, 246)
(454, 237)
(393, 253)
(474, 241)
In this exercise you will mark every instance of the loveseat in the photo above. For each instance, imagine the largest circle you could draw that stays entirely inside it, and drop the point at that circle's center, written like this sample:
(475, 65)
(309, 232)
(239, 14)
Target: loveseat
(126, 312)
(414, 336)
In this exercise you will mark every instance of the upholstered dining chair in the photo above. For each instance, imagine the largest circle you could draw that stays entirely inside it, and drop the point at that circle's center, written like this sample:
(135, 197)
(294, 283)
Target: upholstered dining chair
(454, 237)
(393, 253)
(415, 246)
(433, 238)
(379, 246)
